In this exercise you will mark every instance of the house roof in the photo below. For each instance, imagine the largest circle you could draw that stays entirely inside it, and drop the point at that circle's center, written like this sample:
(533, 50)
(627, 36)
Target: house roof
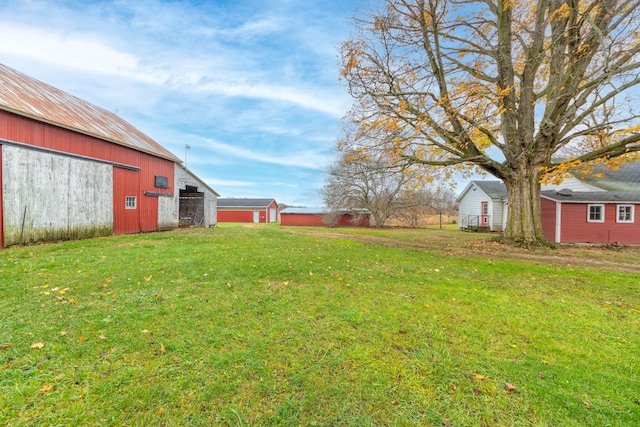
(568, 196)
(626, 178)
(495, 190)
(28, 97)
(244, 203)
(304, 211)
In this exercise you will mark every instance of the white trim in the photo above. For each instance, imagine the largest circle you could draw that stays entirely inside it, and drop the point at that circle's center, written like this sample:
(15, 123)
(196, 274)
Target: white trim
(601, 205)
(558, 221)
(618, 213)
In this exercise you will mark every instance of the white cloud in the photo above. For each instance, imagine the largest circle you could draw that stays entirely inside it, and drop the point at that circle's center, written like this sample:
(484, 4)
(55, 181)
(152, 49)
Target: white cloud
(227, 183)
(304, 159)
(81, 52)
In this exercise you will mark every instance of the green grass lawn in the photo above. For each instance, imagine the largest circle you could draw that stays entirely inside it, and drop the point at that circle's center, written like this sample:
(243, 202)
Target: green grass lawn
(266, 325)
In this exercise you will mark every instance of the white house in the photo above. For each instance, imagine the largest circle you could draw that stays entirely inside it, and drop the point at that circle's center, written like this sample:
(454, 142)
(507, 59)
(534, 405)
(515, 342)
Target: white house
(483, 206)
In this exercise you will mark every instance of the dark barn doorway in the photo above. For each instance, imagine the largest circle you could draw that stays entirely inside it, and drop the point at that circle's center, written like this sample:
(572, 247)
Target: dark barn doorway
(191, 207)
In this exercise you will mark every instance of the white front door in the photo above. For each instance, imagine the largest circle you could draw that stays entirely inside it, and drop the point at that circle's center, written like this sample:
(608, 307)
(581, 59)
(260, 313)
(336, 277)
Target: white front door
(272, 215)
(256, 216)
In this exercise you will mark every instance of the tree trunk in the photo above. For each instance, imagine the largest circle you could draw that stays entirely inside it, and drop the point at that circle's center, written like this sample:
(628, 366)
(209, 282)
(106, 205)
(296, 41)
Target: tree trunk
(524, 222)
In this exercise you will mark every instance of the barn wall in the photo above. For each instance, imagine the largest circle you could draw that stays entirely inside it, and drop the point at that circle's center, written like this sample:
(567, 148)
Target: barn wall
(168, 211)
(237, 216)
(576, 229)
(350, 220)
(548, 217)
(29, 131)
(314, 220)
(59, 204)
(1, 201)
(126, 183)
(168, 215)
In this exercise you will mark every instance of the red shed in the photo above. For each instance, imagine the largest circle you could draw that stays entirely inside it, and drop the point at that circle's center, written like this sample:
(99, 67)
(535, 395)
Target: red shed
(247, 210)
(73, 170)
(323, 218)
(602, 217)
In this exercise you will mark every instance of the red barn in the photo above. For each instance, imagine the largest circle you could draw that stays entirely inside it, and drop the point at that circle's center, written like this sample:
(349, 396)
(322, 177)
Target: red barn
(70, 169)
(247, 210)
(322, 218)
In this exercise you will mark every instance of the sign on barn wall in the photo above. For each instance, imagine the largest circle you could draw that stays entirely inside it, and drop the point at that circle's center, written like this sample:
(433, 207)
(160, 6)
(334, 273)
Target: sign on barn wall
(54, 197)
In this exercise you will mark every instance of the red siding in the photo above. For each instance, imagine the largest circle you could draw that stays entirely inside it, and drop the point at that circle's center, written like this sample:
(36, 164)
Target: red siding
(314, 220)
(235, 216)
(576, 229)
(126, 182)
(1, 204)
(28, 131)
(347, 220)
(548, 208)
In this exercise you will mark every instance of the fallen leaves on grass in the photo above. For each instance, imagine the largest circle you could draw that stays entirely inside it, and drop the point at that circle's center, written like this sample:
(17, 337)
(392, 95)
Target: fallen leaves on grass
(587, 404)
(510, 387)
(479, 376)
(7, 345)
(162, 349)
(46, 388)
(37, 345)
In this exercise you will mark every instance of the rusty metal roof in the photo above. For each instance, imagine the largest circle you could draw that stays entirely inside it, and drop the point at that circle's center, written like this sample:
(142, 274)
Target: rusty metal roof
(32, 98)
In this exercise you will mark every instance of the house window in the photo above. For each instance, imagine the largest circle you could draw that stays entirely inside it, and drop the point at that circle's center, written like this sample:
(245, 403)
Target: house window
(625, 213)
(596, 213)
(130, 202)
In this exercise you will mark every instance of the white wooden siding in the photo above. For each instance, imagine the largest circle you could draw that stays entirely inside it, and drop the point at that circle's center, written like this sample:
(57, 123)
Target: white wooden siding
(65, 198)
(497, 212)
(168, 207)
(573, 184)
(471, 205)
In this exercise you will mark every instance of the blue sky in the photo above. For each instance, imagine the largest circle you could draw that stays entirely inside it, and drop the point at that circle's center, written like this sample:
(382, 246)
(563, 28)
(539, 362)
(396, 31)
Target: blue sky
(251, 86)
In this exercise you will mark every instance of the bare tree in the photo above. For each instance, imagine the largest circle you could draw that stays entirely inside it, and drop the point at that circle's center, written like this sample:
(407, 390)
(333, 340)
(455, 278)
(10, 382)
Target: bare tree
(356, 181)
(425, 201)
(505, 86)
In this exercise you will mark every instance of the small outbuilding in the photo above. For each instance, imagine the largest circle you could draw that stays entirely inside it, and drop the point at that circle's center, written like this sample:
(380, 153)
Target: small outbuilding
(483, 206)
(318, 217)
(247, 210)
(601, 217)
